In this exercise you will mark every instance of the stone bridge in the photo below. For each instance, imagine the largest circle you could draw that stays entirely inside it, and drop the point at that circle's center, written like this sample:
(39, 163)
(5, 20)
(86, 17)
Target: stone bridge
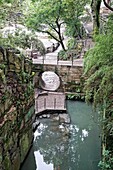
(47, 96)
(47, 101)
(70, 73)
(49, 93)
(70, 76)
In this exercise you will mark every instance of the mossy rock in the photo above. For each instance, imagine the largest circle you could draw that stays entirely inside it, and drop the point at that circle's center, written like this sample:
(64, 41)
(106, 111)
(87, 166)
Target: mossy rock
(12, 67)
(27, 67)
(2, 108)
(1, 58)
(10, 57)
(1, 156)
(7, 163)
(7, 103)
(2, 76)
(24, 146)
(18, 65)
(16, 161)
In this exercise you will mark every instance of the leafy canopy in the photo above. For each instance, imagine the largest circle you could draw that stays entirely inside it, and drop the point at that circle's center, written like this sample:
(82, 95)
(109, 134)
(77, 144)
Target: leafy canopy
(50, 15)
(49, 11)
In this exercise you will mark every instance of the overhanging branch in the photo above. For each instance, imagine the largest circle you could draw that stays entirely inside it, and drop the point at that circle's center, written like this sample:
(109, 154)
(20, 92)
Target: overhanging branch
(52, 26)
(107, 5)
(47, 32)
(52, 36)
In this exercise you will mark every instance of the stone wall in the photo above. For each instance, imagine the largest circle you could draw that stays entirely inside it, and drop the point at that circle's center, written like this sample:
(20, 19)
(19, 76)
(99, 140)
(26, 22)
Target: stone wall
(16, 108)
(72, 79)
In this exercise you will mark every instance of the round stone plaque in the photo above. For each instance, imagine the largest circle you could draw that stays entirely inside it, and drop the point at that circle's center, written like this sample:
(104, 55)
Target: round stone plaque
(49, 81)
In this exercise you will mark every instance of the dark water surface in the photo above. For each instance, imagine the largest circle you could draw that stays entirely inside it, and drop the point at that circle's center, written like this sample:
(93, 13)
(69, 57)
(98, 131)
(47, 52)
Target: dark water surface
(72, 147)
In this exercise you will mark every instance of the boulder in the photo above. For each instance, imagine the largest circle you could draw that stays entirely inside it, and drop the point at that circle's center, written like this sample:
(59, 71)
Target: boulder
(64, 118)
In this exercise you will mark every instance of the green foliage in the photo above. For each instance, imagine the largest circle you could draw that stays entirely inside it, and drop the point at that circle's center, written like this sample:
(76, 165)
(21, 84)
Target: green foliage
(76, 96)
(22, 40)
(11, 12)
(71, 43)
(107, 163)
(49, 16)
(98, 69)
(69, 54)
(6, 1)
(13, 33)
(29, 91)
(4, 97)
(107, 27)
(71, 96)
(62, 55)
(2, 66)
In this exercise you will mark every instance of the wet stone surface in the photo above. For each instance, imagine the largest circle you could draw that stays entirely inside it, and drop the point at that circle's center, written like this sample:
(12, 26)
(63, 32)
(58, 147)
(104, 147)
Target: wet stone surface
(61, 117)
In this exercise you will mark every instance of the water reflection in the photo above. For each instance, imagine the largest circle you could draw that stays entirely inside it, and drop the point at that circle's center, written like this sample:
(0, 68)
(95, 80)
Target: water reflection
(52, 142)
(41, 165)
(68, 147)
(73, 147)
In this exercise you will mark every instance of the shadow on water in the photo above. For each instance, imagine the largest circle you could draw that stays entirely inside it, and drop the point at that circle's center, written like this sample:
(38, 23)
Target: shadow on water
(29, 163)
(60, 146)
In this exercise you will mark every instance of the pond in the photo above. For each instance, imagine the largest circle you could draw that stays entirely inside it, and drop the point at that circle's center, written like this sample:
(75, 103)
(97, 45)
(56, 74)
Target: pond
(75, 146)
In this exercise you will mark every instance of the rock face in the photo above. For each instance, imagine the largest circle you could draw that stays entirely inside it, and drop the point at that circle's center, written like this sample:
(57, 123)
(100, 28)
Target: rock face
(16, 108)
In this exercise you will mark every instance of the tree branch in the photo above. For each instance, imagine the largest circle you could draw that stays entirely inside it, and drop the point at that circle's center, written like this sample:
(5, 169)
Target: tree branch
(52, 36)
(47, 32)
(52, 26)
(107, 5)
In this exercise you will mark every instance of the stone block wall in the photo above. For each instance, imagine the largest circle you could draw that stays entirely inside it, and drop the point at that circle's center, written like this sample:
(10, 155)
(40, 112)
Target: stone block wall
(72, 79)
(16, 108)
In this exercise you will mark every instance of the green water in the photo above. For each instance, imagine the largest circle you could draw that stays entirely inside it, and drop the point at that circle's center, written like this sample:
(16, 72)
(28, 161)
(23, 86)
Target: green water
(76, 147)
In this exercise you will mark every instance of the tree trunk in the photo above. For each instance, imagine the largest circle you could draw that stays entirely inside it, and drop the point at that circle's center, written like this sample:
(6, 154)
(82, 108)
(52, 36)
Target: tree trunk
(61, 42)
(60, 35)
(95, 6)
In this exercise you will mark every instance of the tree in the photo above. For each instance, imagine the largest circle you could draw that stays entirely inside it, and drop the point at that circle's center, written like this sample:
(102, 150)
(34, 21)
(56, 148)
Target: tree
(95, 6)
(50, 16)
